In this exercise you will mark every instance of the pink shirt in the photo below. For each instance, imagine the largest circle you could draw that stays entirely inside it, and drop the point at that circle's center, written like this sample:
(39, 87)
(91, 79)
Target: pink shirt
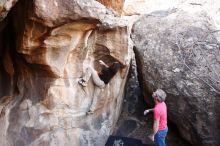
(160, 113)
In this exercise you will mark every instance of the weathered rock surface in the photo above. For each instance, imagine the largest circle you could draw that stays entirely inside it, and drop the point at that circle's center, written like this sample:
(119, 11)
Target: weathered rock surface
(5, 7)
(54, 13)
(55, 42)
(179, 51)
(116, 5)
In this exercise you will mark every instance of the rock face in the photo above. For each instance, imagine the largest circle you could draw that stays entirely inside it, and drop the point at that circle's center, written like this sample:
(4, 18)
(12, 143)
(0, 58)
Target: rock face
(179, 51)
(55, 42)
(116, 5)
(5, 7)
(54, 13)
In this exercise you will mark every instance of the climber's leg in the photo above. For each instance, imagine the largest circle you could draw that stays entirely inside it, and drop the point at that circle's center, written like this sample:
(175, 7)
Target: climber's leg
(96, 94)
(96, 80)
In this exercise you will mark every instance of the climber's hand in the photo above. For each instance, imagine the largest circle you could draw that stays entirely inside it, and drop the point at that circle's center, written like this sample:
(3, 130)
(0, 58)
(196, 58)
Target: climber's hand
(101, 62)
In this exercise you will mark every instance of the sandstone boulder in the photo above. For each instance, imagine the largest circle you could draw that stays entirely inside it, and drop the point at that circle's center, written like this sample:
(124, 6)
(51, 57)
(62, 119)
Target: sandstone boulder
(55, 42)
(179, 51)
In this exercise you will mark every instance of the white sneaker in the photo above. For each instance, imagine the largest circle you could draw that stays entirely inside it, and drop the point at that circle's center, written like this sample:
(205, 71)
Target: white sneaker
(82, 82)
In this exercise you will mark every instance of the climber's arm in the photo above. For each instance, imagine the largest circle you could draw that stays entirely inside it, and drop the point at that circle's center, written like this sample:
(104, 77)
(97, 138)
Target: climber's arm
(103, 63)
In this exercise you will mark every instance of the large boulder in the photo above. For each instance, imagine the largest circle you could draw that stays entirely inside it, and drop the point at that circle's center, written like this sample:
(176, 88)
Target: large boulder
(55, 42)
(179, 51)
(54, 13)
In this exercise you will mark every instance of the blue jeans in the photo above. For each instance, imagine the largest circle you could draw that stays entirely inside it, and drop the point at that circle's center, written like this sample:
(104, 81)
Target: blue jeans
(160, 137)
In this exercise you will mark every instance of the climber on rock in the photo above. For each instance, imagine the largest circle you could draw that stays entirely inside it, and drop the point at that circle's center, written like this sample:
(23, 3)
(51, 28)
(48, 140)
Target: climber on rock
(160, 128)
(100, 79)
